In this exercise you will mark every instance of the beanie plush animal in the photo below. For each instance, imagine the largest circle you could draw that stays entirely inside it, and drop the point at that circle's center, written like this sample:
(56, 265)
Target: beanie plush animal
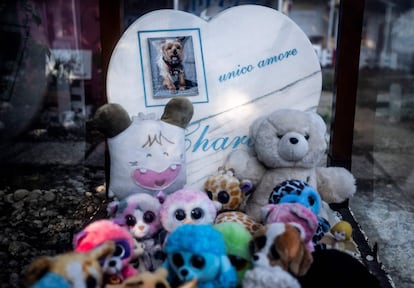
(296, 191)
(226, 189)
(117, 268)
(231, 193)
(281, 244)
(147, 155)
(289, 144)
(70, 269)
(187, 206)
(237, 239)
(198, 252)
(293, 213)
(140, 214)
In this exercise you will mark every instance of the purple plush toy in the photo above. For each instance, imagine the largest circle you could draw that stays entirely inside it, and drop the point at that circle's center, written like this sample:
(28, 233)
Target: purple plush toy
(140, 213)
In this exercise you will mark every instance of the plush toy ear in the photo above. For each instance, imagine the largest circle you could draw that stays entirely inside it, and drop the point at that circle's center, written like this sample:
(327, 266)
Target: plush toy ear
(37, 269)
(254, 127)
(302, 259)
(77, 238)
(178, 112)
(112, 208)
(104, 250)
(265, 211)
(227, 273)
(246, 186)
(111, 119)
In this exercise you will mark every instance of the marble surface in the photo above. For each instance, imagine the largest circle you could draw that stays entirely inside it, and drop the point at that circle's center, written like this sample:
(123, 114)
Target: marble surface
(279, 70)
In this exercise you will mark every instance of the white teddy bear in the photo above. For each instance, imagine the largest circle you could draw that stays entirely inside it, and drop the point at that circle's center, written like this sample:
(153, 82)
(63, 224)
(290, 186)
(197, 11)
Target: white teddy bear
(289, 144)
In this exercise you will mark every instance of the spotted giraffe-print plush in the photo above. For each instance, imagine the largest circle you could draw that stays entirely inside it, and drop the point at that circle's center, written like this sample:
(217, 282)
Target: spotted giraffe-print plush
(226, 189)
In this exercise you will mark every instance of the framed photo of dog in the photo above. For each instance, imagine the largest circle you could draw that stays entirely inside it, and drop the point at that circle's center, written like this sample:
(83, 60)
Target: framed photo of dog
(172, 65)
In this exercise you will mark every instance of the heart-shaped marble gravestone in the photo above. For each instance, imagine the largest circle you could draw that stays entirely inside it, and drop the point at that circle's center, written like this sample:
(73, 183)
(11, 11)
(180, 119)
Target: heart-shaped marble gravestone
(245, 62)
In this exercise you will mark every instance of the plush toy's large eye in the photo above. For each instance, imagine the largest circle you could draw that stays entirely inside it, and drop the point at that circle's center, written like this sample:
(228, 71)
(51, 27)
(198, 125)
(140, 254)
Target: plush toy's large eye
(198, 261)
(149, 217)
(223, 197)
(252, 247)
(130, 220)
(160, 285)
(91, 282)
(209, 194)
(180, 214)
(311, 200)
(260, 242)
(177, 260)
(119, 251)
(238, 262)
(274, 253)
(197, 213)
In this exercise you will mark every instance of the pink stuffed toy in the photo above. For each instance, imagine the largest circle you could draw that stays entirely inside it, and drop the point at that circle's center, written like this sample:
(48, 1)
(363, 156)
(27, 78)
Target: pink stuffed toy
(292, 213)
(116, 268)
(187, 206)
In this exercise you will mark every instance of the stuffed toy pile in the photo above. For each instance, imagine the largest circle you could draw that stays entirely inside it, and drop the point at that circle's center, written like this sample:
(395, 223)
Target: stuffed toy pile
(263, 220)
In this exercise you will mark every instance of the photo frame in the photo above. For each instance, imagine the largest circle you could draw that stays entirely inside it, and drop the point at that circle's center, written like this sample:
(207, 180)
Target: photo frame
(172, 65)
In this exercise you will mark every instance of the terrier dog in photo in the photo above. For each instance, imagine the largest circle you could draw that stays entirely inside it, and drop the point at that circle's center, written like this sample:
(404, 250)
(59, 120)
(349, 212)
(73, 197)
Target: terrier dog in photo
(170, 63)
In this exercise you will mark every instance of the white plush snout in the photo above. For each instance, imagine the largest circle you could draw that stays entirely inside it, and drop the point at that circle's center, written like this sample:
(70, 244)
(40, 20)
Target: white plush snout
(293, 146)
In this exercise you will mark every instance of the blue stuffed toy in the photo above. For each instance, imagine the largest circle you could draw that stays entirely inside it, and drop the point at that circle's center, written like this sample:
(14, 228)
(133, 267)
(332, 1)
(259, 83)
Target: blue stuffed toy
(296, 191)
(198, 252)
(52, 280)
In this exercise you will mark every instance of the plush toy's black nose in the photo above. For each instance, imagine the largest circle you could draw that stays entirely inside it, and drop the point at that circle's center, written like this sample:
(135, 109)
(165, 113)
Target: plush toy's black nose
(91, 282)
(112, 263)
(255, 257)
(293, 140)
(184, 272)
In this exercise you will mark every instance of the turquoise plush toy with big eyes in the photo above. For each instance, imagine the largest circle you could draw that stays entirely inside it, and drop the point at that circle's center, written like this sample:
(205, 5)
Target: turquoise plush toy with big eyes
(296, 191)
(198, 252)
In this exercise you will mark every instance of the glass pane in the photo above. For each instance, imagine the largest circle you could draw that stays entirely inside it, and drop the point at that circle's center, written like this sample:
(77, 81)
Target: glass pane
(383, 151)
(51, 83)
